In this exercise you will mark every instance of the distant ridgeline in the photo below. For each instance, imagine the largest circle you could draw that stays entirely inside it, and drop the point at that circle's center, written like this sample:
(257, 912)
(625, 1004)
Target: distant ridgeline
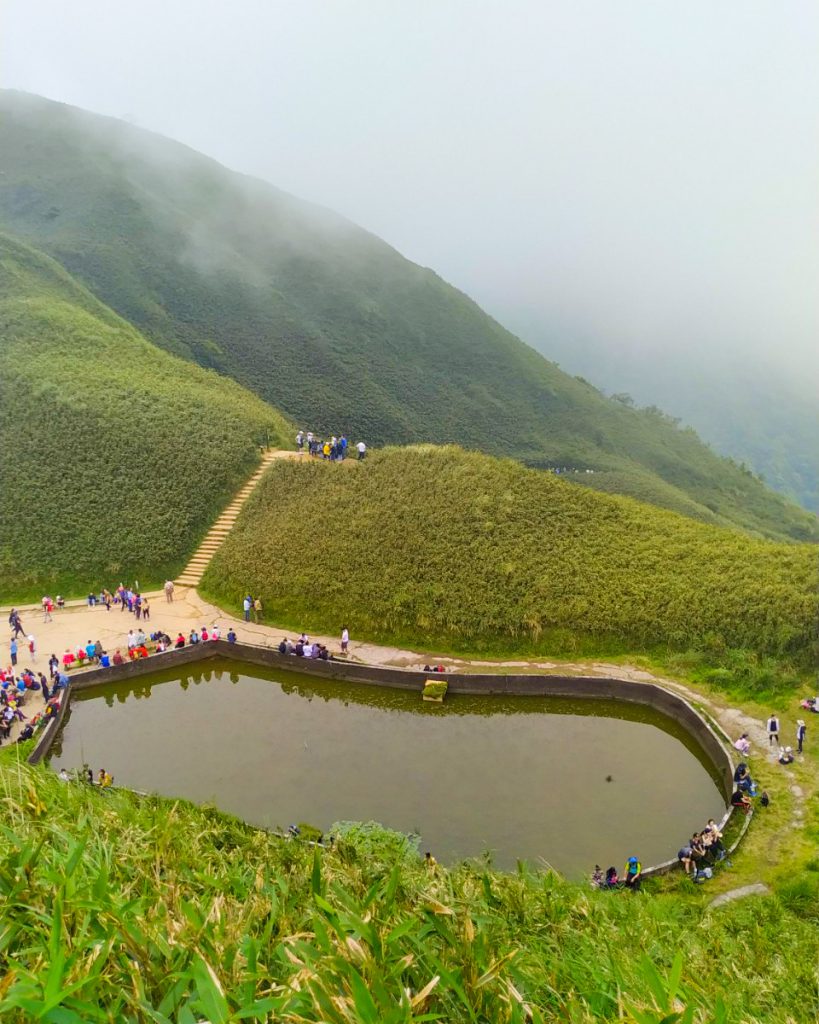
(326, 322)
(436, 546)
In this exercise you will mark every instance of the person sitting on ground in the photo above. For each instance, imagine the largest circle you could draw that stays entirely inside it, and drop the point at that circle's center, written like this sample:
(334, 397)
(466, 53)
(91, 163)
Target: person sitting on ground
(685, 856)
(91, 652)
(324, 654)
(785, 755)
(283, 646)
(63, 775)
(98, 650)
(180, 641)
(117, 657)
(60, 601)
(214, 632)
(68, 658)
(430, 863)
(299, 650)
(597, 877)
(743, 745)
(612, 881)
(194, 637)
(142, 650)
(634, 874)
(203, 632)
(105, 660)
(231, 636)
(427, 668)
(740, 801)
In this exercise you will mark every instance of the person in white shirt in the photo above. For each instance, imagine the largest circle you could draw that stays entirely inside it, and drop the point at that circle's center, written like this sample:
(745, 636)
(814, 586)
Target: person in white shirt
(345, 639)
(362, 450)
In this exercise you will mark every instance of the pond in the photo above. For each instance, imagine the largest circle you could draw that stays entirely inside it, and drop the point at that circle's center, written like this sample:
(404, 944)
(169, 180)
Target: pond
(543, 779)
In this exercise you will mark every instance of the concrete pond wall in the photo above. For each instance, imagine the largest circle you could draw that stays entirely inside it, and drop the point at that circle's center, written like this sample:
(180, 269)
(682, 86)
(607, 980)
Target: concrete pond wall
(590, 687)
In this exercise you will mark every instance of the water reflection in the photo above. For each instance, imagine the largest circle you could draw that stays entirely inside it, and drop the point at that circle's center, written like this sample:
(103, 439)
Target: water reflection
(520, 776)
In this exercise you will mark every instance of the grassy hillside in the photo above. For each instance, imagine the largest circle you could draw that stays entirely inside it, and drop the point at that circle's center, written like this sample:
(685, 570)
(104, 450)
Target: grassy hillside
(430, 545)
(140, 909)
(325, 321)
(114, 455)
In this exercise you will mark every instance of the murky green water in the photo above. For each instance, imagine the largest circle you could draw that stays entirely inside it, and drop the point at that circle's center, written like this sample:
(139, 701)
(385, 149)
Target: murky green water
(522, 777)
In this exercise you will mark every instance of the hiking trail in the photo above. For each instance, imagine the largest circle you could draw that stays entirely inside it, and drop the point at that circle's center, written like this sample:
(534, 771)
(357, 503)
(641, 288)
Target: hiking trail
(193, 572)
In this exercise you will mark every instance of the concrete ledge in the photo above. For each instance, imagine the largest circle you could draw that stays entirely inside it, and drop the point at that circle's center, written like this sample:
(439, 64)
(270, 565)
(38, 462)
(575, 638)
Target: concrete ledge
(591, 687)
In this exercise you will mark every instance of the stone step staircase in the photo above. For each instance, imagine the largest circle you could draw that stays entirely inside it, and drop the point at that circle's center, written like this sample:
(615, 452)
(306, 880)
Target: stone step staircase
(191, 575)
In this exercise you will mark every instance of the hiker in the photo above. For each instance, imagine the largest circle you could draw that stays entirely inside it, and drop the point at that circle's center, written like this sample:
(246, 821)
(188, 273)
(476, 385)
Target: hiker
(345, 639)
(612, 881)
(740, 801)
(362, 450)
(15, 623)
(168, 588)
(342, 447)
(743, 745)
(257, 609)
(247, 604)
(685, 856)
(634, 874)
(300, 442)
(801, 729)
(773, 729)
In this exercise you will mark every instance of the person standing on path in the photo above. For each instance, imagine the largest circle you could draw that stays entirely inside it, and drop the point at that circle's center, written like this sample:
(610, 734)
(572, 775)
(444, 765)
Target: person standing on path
(362, 450)
(13, 651)
(345, 639)
(300, 442)
(773, 729)
(146, 609)
(801, 729)
(169, 591)
(247, 604)
(47, 607)
(32, 647)
(257, 609)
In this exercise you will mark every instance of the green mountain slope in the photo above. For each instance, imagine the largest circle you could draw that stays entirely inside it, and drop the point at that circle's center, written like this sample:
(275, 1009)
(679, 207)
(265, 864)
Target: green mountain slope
(114, 455)
(440, 546)
(325, 321)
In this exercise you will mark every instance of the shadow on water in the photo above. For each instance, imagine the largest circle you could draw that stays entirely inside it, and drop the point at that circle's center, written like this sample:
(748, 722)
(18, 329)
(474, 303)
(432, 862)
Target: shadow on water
(571, 781)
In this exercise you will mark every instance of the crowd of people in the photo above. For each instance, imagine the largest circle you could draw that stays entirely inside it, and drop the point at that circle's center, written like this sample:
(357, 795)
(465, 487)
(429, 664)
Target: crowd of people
(335, 449)
(631, 878)
(86, 775)
(302, 648)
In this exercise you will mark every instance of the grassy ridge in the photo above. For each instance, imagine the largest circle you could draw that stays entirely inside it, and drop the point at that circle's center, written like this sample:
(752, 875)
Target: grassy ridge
(115, 455)
(142, 909)
(327, 322)
(439, 545)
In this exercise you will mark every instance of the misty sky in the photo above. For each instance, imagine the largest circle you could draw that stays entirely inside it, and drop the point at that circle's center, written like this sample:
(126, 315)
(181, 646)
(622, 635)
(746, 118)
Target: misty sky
(642, 172)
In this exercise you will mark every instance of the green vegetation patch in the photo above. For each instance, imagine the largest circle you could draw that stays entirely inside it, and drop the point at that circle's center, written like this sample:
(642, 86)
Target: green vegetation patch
(121, 908)
(444, 546)
(115, 456)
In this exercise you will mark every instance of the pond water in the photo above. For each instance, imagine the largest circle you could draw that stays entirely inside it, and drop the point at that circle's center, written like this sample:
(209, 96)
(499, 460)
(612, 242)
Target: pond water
(523, 778)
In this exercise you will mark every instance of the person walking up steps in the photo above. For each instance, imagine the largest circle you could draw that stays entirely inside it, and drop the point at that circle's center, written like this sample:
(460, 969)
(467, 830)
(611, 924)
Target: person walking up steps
(773, 729)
